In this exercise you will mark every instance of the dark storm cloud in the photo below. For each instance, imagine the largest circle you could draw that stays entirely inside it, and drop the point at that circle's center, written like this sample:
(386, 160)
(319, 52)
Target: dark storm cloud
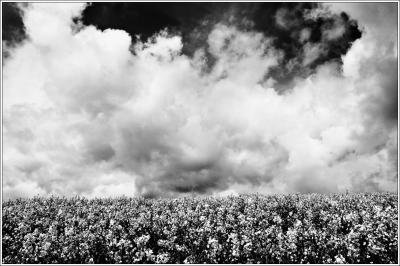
(287, 22)
(194, 21)
(13, 30)
(284, 22)
(146, 19)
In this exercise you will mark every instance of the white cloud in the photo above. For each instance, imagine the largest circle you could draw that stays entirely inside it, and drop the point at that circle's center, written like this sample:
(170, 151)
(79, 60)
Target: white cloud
(280, 18)
(312, 52)
(97, 120)
(304, 35)
(335, 31)
(334, 27)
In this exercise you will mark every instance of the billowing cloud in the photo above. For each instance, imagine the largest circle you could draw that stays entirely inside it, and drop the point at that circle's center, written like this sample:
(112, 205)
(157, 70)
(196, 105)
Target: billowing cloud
(101, 113)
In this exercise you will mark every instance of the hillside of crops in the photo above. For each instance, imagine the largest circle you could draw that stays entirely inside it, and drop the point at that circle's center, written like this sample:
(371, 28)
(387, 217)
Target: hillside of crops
(309, 228)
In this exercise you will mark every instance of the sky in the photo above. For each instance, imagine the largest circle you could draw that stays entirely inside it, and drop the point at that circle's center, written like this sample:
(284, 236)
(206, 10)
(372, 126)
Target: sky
(177, 99)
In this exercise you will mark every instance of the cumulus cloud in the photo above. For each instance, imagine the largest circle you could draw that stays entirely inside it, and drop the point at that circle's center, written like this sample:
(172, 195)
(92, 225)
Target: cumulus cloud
(312, 52)
(304, 35)
(281, 18)
(372, 65)
(97, 113)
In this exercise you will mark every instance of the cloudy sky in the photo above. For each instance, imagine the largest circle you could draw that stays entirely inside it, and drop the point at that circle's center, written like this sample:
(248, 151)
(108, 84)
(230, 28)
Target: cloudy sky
(171, 99)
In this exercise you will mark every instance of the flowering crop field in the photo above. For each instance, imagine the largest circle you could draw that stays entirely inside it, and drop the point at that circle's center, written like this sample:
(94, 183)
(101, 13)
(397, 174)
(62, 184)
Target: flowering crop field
(310, 228)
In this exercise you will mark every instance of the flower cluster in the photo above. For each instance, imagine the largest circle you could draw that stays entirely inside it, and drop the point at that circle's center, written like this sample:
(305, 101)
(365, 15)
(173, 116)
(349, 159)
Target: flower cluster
(311, 228)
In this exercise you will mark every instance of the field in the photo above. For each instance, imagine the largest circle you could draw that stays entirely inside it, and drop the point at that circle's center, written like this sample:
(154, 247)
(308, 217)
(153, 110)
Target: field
(311, 228)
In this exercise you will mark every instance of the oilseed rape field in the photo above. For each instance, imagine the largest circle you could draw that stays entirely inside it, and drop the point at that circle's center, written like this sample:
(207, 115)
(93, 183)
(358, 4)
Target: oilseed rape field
(297, 228)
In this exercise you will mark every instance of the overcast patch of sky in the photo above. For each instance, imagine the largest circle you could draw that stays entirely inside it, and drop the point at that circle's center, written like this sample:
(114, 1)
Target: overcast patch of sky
(84, 115)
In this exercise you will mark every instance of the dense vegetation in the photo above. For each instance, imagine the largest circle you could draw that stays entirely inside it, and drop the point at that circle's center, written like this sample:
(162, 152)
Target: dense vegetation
(314, 228)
